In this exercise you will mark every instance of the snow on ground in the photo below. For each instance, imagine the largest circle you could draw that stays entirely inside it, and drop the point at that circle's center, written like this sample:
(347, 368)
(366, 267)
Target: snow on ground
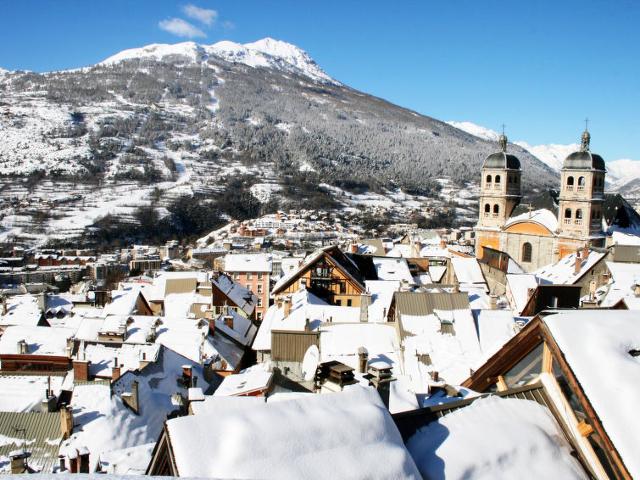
(494, 438)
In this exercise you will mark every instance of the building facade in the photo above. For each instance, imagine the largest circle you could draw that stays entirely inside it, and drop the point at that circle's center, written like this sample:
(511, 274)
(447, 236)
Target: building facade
(539, 237)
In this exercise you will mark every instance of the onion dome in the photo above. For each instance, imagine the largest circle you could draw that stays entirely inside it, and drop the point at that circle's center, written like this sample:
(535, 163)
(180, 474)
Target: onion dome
(502, 159)
(584, 159)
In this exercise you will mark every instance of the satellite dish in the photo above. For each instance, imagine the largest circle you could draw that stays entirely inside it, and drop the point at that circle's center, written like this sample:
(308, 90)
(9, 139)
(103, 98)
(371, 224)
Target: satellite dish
(310, 363)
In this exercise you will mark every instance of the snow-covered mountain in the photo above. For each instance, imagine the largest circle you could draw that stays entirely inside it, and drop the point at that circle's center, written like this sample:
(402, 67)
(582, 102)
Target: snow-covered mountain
(552, 154)
(476, 130)
(267, 53)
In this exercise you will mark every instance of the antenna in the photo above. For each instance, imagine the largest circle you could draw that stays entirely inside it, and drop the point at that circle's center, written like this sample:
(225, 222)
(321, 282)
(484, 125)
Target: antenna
(586, 124)
(503, 125)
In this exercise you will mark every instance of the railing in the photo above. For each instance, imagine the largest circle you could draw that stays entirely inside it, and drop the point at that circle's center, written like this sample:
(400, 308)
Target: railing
(495, 215)
(569, 188)
(567, 221)
(578, 221)
(580, 188)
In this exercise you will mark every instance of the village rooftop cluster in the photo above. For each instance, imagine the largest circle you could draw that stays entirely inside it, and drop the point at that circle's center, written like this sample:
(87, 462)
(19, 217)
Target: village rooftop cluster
(292, 347)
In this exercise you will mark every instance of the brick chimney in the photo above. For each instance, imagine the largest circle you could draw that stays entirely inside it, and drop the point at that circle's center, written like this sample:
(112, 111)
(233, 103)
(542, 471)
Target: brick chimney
(23, 347)
(66, 421)
(115, 370)
(83, 460)
(228, 321)
(81, 370)
(493, 302)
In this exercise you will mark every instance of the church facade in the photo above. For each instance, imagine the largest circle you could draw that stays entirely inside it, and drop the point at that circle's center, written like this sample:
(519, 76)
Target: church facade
(539, 237)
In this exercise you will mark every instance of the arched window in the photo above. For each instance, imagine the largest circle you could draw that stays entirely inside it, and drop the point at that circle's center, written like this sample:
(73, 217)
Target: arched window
(579, 213)
(487, 209)
(488, 178)
(570, 181)
(496, 209)
(526, 252)
(581, 183)
(567, 213)
(497, 178)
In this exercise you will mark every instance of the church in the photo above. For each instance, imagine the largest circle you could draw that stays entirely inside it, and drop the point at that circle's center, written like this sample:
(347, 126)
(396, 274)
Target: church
(536, 238)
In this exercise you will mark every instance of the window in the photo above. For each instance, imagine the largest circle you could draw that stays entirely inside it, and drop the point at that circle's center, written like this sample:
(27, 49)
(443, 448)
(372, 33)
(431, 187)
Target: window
(249, 275)
(259, 290)
(259, 301)
(526, 369)
(259, 275)
(236, 276)
(527, 251)
(487, 209)
(567, 213)
(496, 210)
(348, 302)
(581, 183)
(259, 316)
(569, 181)
(497, 178)
(339, 302)
(579, 216)
(488, 178)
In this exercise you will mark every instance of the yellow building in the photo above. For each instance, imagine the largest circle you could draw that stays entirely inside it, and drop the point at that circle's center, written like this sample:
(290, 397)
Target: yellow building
(539, 237)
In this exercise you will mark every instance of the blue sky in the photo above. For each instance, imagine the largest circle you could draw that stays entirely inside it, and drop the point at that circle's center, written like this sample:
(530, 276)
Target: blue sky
(540, 67)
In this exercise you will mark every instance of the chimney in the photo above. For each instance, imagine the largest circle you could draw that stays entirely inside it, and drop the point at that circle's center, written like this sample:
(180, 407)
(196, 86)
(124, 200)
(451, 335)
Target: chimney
(23, 347)
(435, 376)
(81, 370)
(19, 462)
(49, 404)
(187, 374)
(443, 243)
(365, 302)
(307, 325)
(115, 370)
(69, 347)
(363, 359)
(286, 303)
(303, 284)
(83, 460)
(42, 302)
(577, 266)
(493, 302)
(151, 337)
(131, 399)
(636, 289)
(61, 463)
(456, 287)
(585, 251)
(353, 248)
(66, 421)
(228, 321)
(73, 461)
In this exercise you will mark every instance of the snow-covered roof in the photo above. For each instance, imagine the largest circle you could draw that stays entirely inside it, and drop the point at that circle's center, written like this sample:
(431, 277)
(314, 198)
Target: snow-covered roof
(253, 262)
(339, 435)
(392, 269)
(495, 328)
(24, 393)
(622, 238)
(341, 341)
(250, 380)
(624, 277)
(494, 438)
(102, 357)
(127, 461)
(243, 330)
(543, 217)
(123, 302)
(519, 285)
(304, 305)
(40, 340)
(596, 345)
(563, 272)
(467, 270)
(381, 297)
(21, 310)
(452, 356)
(403, 250)
(238, 294)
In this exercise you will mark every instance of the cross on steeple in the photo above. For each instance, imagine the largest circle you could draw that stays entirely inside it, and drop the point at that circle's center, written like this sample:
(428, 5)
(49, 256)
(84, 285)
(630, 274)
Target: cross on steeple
(586, 124)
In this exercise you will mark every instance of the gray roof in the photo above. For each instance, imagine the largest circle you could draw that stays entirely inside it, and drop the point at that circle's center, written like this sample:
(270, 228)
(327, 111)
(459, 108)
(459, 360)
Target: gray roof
(502, 160)
(42, 433)
(583, 161)
(424, 303)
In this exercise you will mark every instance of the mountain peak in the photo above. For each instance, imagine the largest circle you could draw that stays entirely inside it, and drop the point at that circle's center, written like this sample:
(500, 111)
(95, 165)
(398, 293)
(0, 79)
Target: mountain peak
(265, 53)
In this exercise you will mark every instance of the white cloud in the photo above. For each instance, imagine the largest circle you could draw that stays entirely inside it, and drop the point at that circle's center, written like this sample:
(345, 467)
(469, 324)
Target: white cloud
(181, 28)
(228, 25)
(203, 15)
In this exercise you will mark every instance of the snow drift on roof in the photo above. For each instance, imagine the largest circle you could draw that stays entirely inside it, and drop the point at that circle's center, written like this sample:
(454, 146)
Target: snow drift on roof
(340, 435)
(494, 438)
